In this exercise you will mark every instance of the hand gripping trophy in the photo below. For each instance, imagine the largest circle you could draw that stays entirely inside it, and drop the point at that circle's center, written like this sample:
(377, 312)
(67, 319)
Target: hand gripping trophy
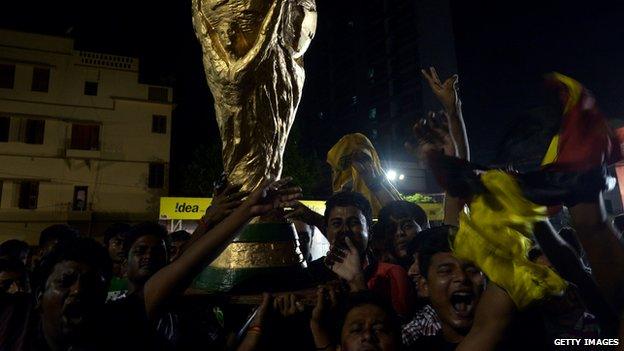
(253, 58)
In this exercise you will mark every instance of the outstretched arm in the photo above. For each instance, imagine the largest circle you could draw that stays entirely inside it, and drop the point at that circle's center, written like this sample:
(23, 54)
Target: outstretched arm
(494, 314)
(604, 248)
(176, 277)
(448, 96)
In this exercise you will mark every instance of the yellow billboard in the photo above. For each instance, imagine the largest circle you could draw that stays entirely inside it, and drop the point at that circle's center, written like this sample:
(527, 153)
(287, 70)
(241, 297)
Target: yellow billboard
(183, 207)
(193, 208)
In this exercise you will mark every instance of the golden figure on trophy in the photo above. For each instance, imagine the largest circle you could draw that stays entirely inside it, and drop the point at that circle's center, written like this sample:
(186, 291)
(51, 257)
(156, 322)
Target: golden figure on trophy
(253, 59)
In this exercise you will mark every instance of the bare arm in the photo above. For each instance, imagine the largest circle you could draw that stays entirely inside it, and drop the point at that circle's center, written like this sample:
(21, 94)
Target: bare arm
(449, 98)
(494, 314)
(603, 245)
(175, 277)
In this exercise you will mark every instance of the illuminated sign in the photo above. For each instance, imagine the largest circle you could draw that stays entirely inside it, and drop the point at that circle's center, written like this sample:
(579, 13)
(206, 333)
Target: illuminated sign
(193, 208)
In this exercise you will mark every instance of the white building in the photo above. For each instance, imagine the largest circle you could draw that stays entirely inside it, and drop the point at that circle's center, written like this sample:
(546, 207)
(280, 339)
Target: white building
(81, 140)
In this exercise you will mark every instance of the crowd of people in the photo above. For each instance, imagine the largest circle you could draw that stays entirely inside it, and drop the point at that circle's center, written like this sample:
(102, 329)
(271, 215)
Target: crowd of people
(495, 275)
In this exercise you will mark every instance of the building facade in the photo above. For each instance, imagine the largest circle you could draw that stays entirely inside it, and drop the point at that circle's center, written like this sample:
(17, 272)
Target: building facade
(81, 140)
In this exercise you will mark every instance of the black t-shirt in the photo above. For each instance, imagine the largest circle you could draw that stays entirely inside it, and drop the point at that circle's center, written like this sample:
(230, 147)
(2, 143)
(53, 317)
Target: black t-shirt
(432, 343)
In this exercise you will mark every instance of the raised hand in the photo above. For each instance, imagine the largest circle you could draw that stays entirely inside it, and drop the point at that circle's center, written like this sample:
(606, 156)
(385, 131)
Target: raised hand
(272, 194)
(326, 303)
(224, 202)
(445, 92)
(346, 263)
(432, 134)
(303, 213)
(287, 305)
(363, 164)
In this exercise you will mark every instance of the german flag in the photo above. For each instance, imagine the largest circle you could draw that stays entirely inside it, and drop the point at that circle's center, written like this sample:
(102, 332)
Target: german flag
(585, 139)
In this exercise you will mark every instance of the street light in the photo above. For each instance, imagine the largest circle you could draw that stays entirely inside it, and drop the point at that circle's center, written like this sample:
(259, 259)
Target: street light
(391, 175)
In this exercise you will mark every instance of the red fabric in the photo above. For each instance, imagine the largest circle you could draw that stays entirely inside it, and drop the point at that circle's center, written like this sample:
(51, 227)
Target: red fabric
(392, 282)
(585, 138)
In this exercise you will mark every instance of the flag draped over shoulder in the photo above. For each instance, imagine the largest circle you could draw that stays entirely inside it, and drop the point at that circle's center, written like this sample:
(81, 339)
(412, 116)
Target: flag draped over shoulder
(585, 139)
(495, 234)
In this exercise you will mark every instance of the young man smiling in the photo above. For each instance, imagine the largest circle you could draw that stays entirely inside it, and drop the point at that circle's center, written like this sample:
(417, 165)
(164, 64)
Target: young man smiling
(453, 287)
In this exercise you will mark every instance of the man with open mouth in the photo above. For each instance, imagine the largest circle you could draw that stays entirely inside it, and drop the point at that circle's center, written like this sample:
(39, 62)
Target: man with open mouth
(453, 287)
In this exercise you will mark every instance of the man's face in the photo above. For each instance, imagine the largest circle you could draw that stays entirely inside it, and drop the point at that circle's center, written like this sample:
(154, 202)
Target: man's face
(146, 256)
(72, 299)
(414, 272)
(12, 282)
(453, 287)
(116, 249)
(368, 328)
(404, 230)
(347, 222)
(305, 233)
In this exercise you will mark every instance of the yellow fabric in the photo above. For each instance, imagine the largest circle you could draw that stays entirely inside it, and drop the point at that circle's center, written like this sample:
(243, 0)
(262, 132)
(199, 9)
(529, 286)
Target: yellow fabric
(339, 158)
(494, 235)
(551, 154)
(575, 89)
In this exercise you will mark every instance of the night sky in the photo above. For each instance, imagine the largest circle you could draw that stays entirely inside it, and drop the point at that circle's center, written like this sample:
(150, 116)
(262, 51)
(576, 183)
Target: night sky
(503, 49)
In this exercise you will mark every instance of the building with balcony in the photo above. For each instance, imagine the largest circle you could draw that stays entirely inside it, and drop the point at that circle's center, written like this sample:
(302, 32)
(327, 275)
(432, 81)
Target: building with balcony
(81, 140)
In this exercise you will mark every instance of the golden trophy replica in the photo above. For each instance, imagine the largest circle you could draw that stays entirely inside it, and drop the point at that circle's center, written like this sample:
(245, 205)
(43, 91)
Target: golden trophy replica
(253, 59)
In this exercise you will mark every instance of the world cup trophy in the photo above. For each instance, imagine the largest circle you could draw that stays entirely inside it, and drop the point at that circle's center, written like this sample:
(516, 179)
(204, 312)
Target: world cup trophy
(253, 59)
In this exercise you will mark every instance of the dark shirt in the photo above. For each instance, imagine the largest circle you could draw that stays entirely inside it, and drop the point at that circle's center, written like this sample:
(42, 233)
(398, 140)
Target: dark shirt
(432, 343)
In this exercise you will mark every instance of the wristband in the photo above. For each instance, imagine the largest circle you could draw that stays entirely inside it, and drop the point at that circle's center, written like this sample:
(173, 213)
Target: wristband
(255, 329)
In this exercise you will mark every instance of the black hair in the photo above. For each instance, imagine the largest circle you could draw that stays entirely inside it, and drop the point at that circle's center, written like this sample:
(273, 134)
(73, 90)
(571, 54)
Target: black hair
(142, 229)
(58, 232)
(430, 242)
(618, 222)
(349, 198)
(363, 298)
(13, 249)
(115, 229)
(180, 235)
(403, 209)
(79, 249)
(11, 265)
(382, 239)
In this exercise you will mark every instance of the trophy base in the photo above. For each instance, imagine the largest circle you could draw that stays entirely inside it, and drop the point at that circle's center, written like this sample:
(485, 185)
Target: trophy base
(263, 257)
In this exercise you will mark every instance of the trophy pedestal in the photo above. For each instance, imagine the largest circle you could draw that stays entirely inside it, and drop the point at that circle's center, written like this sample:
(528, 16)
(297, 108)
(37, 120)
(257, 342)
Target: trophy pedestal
(263, 257)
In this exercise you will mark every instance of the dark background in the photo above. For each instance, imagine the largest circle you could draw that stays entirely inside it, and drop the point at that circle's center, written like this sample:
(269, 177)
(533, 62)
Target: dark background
(503, 49)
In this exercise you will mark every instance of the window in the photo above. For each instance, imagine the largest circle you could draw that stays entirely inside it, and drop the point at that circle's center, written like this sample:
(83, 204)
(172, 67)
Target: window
(7, 76)
(85, 137)
(33, 133)
(5, 127)
(91, 88)
(158, 94)
(80, 198)
(159, 124)
(40, 79)
(372, 114)
(28, 194)
(156, 175)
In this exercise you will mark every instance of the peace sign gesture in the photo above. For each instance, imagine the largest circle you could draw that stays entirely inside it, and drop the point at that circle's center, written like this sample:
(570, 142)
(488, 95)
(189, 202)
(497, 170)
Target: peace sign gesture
(445, 92)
